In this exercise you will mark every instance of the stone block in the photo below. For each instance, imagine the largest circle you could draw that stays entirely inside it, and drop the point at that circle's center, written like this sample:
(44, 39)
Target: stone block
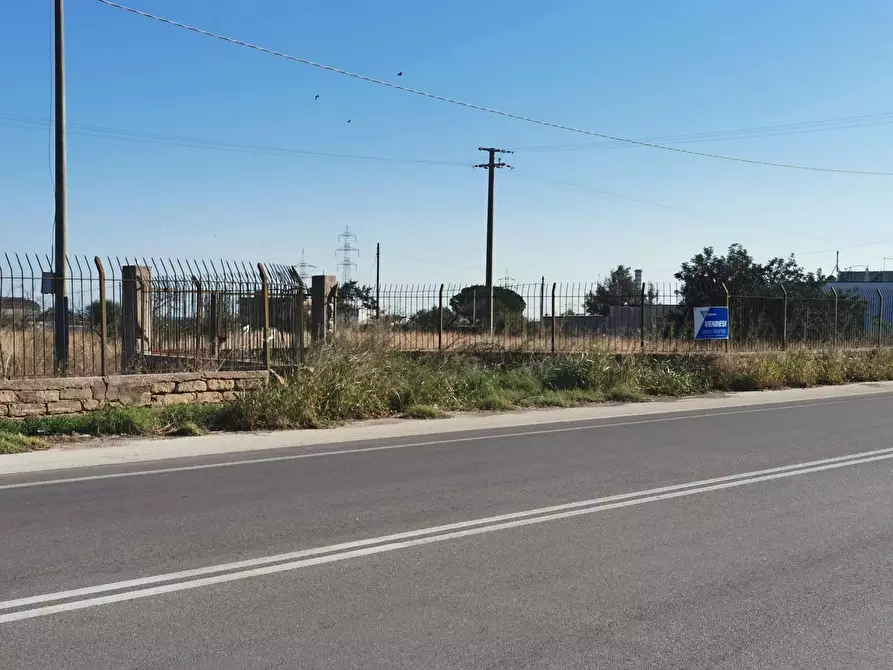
(249, 384)
(34, 396)
(207, 397)
(229, 396)
(134, 397)
(27, 409)
(64, 407)
(174, 399)
(221, 384)
(76, 394)
(91, 404)
(4, 410)
(8, 396)
(163, 387)
(192, 387)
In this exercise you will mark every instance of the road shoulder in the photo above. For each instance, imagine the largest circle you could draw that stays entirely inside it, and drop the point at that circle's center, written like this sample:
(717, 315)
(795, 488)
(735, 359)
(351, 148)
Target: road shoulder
(147, 450)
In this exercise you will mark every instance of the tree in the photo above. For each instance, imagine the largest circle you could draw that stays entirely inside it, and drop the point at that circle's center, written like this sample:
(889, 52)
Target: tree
(620, 288)
(765, 299)
(429, 319)
(470, 307)
(113, 314)
(352, 297)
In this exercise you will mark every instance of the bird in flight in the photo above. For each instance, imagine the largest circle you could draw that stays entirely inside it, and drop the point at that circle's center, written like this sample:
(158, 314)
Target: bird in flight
(399, 74)
(316, 98)
(348, 120)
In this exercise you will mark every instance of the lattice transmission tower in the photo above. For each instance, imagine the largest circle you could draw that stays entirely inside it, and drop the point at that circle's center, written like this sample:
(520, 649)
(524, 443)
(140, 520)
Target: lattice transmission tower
(347, 249)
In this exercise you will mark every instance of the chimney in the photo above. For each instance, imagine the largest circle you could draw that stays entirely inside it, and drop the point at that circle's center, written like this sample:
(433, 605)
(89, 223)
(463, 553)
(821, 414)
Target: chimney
(638, 276)
(867, 274)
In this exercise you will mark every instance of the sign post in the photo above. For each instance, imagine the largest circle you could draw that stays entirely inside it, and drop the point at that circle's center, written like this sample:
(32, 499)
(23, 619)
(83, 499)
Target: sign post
(712, 323)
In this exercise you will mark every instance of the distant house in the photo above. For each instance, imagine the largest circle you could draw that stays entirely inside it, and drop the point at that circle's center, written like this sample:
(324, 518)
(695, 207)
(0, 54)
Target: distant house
(17, 306)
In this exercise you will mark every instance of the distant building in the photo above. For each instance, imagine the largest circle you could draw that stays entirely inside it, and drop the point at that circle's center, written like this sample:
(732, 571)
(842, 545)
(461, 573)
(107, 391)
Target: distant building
(16, 306)
(875, 287)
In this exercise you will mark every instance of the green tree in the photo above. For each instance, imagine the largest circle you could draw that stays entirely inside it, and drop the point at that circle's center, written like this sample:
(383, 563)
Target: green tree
(619, 288)
(113, 313)
(353, 296)
(429, 319)
(765, 299)
(470, 307)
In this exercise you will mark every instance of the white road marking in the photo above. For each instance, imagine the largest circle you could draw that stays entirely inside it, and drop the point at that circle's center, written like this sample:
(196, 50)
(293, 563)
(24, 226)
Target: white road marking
(361, 450)
(386, 543)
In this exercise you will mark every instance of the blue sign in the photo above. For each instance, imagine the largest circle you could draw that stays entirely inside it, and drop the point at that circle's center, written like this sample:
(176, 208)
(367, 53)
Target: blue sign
(711, 323)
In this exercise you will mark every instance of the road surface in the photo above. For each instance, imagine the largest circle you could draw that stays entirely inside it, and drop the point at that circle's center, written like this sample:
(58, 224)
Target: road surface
(757, 537)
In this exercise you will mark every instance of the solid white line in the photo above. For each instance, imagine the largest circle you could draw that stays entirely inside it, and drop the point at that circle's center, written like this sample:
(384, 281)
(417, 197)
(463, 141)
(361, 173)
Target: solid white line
(379, 549)
(493, 521)
(474, 438)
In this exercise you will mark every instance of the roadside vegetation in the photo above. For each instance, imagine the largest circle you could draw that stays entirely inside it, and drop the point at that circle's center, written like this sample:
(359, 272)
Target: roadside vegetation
(366, 379)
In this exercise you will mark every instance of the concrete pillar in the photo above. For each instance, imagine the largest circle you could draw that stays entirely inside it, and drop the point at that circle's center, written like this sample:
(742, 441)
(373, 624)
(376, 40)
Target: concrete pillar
(136, 310)
(322, 306)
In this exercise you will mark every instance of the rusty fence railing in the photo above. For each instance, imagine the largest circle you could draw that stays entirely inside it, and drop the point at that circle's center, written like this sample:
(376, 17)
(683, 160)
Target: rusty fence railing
(129, 315)
(562, 317)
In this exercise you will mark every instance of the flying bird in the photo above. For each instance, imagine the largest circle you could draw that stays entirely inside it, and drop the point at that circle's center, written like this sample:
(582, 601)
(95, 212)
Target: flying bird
(348, 120)
(316, 98)
(399, 74)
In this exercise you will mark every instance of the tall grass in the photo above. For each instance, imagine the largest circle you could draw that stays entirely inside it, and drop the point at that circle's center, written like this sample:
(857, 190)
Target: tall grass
(366, 378)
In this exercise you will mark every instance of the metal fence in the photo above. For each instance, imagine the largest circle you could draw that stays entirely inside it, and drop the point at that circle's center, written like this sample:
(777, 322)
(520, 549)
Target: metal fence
(547, 317)
(128, 315)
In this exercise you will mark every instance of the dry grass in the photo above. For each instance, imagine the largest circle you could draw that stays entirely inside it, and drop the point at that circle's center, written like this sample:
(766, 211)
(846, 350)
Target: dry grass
(26, 353)
(565, 342)
(29, 353)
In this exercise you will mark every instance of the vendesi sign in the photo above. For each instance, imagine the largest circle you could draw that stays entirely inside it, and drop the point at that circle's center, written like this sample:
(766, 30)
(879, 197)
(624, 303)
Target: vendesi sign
(711, 323)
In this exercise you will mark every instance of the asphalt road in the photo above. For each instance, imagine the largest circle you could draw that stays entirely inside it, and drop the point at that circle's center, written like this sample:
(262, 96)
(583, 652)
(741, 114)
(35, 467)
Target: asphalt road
(759, 537)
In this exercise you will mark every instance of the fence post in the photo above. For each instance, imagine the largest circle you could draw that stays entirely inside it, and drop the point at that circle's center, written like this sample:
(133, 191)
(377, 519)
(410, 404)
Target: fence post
(103, 316)
(834, 333)
(784, 320)
(302, 327)
(542, 302)
(474, 309)
(642, 318)
(136, 312)
(728, 314)
(554, 285)
(199, 315)
(265, 296)
(880, 317)
(440, 319)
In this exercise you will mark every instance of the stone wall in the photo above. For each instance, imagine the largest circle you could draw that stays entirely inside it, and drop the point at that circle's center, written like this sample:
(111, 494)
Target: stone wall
(69, 395)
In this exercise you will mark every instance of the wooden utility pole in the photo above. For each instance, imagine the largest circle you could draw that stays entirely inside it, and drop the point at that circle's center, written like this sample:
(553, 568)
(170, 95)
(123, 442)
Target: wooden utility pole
(491, 165)
(60, 287)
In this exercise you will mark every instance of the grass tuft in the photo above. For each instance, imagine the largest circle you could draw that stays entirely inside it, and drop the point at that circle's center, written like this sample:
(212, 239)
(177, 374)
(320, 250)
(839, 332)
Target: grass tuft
(424, 412)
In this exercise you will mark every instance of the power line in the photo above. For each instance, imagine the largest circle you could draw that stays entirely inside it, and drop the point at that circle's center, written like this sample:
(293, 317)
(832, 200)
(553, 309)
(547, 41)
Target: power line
(582, 189)
(480, 108)
(106, 132)
(756, 132)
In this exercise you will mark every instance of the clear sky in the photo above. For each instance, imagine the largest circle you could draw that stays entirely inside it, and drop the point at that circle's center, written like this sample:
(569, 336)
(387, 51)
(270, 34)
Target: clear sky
(638, 69)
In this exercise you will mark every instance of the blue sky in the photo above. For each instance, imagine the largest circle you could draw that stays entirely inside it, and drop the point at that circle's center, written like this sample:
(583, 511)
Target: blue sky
(637, 69)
